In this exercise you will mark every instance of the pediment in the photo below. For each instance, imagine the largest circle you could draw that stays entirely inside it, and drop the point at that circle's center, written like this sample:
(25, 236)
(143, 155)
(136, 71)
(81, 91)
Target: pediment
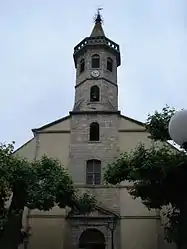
(98, 212)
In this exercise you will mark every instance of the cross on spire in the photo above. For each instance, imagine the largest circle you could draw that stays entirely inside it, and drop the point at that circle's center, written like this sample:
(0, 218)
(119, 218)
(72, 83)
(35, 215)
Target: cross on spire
(98, 18)
(98, 30)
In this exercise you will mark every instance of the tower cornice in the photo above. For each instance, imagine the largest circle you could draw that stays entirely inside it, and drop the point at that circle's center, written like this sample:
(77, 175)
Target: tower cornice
(94, 112)
(94, 42)
(91, 79)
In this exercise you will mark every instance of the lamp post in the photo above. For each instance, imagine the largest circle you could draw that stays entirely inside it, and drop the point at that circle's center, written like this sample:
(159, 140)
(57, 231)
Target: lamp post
(178, 128)
(2, 223)
(25, 240)
(111, 224)
(25, 236)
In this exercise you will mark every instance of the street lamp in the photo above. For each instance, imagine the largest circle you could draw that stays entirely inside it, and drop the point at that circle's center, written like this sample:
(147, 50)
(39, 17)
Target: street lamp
(178, 128)
(25, 236)
(111, 224)
(1, 226)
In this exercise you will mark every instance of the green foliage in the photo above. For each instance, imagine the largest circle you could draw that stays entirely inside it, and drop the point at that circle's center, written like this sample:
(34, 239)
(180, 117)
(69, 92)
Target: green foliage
(176, 226)
(157, 124)
(40, 184)
(84, 203)
(155, 172)
(158, 175)
(159, 178)
(49, 184)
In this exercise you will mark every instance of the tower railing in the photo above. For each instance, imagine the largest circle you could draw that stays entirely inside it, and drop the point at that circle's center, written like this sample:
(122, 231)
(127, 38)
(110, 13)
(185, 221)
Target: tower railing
(100, 40)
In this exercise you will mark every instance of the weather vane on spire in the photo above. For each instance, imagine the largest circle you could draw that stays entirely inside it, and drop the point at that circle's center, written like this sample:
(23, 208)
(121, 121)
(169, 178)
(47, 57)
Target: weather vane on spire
(98, 17)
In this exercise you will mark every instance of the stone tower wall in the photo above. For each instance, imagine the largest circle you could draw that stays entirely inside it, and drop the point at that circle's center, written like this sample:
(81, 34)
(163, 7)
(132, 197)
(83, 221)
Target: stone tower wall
(81, 149)
(107, 82)
(104, 73)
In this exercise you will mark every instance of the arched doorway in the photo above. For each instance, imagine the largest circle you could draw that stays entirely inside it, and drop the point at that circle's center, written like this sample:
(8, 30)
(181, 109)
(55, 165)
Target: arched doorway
(92, 239)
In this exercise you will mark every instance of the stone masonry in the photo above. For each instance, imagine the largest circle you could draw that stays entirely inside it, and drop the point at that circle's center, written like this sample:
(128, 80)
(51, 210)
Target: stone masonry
(106, 149)
(107, 83)
(105, 113)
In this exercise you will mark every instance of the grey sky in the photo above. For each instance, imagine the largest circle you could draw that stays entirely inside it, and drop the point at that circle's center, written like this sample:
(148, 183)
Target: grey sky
(37, 74)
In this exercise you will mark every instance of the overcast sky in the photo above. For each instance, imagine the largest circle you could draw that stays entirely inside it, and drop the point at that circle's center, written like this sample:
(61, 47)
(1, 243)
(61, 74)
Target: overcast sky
(37, 73)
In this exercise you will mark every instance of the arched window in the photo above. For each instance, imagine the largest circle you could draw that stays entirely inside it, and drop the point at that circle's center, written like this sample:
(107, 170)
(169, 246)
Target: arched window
(94, 131)
(95, 61)
(82, 65)
(109, 64)
(93, 172)
(94, 93)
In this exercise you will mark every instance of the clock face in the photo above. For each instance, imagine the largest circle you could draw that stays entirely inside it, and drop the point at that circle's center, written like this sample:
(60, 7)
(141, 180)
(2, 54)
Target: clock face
(95, 73)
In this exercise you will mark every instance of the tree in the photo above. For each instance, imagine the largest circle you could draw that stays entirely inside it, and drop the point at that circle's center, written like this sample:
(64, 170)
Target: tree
(40, 184)
(157, 124)
(159, 176)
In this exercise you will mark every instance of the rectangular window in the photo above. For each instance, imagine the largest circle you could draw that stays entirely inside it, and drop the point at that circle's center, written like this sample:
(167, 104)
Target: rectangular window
(89, 179)
(95, 61)
(93, 172)
(109, 64)
(82, 66)
(97, 178)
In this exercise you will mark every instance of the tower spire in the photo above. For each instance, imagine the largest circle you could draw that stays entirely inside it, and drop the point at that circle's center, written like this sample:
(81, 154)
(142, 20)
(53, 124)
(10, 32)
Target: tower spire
(98, 30)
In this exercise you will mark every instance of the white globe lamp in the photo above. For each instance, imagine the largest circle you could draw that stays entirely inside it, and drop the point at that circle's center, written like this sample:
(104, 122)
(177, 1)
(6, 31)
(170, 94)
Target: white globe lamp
(178, 128)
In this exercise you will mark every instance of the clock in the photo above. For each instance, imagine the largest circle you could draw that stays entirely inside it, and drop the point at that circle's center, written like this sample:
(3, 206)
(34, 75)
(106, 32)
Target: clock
(95, 73)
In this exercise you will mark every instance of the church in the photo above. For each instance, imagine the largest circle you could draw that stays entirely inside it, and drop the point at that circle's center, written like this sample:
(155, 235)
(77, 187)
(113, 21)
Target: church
(85, 142)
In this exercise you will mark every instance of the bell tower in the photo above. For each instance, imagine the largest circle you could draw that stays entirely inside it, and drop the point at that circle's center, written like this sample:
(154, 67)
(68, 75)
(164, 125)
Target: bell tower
(94, 124)
(96, 60)
(95, 116)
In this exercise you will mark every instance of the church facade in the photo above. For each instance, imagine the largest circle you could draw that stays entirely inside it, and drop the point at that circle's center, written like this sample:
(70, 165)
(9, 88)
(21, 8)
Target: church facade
(86, 141)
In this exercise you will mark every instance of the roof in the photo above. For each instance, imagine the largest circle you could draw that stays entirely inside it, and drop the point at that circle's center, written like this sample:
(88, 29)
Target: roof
(50, 124)
(133, 120)
(66, 117)
(20, 147)
(35, 130)
(97, 30)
